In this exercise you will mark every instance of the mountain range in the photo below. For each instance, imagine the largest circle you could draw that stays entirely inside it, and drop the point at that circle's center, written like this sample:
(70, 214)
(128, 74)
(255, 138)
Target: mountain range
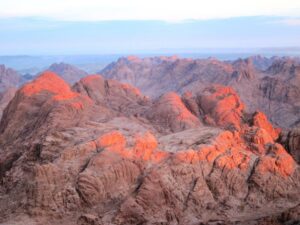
(270, 85)
(160, 140)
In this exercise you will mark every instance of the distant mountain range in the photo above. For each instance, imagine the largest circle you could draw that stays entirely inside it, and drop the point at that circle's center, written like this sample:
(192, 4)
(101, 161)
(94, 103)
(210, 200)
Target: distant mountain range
(271, 85)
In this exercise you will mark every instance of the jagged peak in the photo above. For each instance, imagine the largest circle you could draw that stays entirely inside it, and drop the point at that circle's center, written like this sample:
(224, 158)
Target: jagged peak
(282, 65)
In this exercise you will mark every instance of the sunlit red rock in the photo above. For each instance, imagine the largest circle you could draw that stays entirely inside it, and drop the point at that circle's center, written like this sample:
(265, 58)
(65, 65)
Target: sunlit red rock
(277, 161)
(170, 112)
(49, 82)
(260, 120)
(221, 107)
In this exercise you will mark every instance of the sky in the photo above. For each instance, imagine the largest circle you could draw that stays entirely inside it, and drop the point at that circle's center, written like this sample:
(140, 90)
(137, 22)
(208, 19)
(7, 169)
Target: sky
(119, 26)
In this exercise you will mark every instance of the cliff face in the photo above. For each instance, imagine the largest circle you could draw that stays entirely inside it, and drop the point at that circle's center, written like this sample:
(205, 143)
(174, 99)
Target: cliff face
(270, 85)
(101, 152)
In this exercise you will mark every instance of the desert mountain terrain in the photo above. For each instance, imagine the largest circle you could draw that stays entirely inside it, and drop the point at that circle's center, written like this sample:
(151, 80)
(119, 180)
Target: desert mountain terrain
(101, 152)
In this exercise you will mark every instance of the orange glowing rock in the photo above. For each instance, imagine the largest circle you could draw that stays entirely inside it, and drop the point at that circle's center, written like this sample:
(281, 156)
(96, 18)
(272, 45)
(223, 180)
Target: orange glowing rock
(262, 137)
(131, 89)
(50, 82)
(77, 105)
(187, 156)
(222, 106)
(170, 112)
(111, 139)
(234, 159)
(91, 78)
(145, 146)
(277, 161)
(260, 120)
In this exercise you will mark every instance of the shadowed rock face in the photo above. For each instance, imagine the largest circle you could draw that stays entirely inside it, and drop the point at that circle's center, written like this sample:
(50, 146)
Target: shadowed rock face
(290, 139)
(9, 81)
(102, 153)
(8, 78)
(5, 98)
(270, 85)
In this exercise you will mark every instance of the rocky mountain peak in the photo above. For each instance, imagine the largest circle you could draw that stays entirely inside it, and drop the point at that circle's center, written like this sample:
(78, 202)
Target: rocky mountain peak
(69, 73)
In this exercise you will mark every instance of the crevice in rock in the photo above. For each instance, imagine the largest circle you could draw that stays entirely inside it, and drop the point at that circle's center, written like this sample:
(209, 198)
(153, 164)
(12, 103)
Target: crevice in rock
(193, 185)
(251, 172)
(106, 87)
(87, 91)
(8, 164)
(215, 161)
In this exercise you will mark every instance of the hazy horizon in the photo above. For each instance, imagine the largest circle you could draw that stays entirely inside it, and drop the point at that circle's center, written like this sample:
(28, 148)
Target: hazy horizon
(100, 31)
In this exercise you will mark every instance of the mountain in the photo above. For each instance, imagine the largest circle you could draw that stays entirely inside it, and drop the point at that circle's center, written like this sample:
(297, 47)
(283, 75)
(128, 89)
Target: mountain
(275, 91)
(100, 152)
(8, 78)
(261, 62)
(5, 98)
(68, 72)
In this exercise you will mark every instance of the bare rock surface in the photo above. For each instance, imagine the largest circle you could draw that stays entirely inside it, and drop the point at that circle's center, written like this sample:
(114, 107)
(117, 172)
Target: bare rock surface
(102, 153)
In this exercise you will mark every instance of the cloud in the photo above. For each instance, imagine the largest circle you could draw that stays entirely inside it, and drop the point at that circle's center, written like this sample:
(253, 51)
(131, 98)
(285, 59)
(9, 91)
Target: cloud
(167, 10)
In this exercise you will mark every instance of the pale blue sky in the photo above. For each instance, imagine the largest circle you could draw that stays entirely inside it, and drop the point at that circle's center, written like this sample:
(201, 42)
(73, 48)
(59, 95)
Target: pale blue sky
(47, 36)
(139, 26)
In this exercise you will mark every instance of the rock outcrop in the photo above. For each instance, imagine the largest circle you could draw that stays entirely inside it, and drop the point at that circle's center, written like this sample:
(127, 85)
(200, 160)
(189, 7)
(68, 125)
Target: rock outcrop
(169, 112)
(290, 139)
(103, 153)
